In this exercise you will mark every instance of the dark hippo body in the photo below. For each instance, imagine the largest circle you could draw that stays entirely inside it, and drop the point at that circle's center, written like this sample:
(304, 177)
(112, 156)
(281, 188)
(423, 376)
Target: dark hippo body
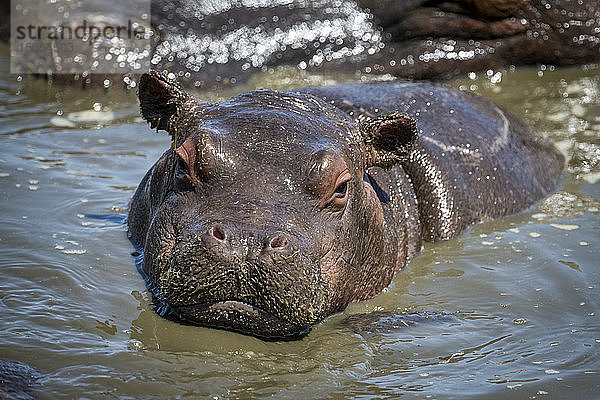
(418, 39)
(440, 39)
(215, 43)
(17, 380)
(277, 209)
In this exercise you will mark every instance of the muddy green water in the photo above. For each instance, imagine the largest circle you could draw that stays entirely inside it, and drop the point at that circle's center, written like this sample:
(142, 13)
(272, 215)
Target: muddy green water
(525, 289)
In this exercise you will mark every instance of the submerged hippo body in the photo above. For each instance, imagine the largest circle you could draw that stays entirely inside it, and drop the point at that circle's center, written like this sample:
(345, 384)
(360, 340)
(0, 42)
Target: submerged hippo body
(274, 209)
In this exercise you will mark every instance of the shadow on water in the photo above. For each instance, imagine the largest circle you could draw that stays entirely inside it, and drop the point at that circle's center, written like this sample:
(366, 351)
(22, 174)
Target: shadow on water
(118, 219)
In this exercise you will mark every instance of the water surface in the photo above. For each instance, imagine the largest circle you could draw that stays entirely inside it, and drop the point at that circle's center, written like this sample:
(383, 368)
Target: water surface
(523, 291)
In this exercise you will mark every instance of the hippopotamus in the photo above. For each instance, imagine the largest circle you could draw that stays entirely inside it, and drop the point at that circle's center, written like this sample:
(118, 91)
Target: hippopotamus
(275, 209)
(417, 39)
(17, 380)
(442, 39)
(217, 43)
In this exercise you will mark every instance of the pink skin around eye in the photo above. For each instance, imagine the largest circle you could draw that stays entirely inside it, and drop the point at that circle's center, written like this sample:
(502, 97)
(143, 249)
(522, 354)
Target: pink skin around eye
(187, 153)
(330, 172)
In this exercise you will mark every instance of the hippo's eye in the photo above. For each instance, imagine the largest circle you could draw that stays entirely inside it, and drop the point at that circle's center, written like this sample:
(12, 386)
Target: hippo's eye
(181, 169)
(182, 182)
(342, 189)
(328, 180)
(339, 197)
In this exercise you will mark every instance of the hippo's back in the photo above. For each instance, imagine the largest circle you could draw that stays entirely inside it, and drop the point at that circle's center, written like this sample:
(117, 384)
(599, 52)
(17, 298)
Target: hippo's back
(473, 160)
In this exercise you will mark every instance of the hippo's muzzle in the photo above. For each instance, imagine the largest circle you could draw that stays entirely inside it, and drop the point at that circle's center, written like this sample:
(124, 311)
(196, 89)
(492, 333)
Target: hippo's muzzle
(226, 275)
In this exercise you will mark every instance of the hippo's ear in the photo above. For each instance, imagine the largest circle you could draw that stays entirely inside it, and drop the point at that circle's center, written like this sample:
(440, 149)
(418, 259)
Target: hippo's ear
(389, 138)
(161, 100)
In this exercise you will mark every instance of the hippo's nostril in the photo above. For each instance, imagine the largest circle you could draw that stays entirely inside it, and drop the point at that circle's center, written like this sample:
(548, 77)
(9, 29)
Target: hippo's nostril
(278, 241)
(217, 232)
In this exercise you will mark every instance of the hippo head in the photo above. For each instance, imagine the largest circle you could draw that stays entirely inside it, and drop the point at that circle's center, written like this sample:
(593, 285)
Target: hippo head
(262, 218)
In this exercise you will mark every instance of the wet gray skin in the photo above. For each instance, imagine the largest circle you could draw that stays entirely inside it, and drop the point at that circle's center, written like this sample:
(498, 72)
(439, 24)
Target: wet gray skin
(273, 210)
(16, 380)
(432, 39)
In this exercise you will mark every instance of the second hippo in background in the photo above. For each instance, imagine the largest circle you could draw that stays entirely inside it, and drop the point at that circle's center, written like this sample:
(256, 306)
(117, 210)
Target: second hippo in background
(224, 42)
(273, 210)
